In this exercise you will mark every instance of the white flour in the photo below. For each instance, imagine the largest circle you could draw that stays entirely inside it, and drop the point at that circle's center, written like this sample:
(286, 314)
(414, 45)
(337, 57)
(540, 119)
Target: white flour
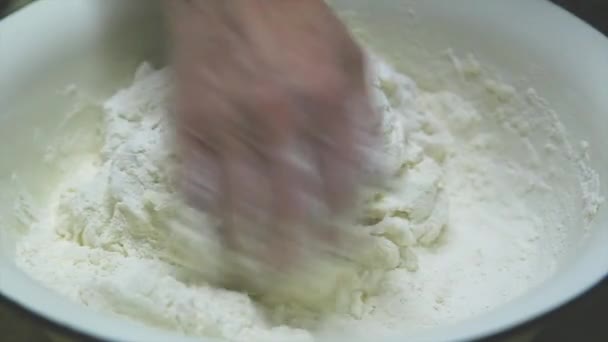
(466, 224)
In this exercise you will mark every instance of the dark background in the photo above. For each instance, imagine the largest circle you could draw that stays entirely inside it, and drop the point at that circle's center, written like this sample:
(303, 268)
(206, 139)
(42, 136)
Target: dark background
(594, 12)
(585, 319)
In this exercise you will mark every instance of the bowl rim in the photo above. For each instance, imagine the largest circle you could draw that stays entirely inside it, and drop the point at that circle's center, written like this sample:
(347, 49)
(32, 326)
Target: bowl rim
(54, 327)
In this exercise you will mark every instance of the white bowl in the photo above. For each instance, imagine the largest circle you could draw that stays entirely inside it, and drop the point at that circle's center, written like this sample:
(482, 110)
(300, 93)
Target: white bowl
(97, 44)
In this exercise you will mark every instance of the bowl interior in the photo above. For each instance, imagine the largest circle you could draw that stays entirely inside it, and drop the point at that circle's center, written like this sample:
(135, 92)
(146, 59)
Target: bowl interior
(523, 43)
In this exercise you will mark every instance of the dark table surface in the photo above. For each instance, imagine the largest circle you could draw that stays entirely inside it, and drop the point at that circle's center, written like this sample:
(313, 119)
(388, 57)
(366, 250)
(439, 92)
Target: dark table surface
(585, 319)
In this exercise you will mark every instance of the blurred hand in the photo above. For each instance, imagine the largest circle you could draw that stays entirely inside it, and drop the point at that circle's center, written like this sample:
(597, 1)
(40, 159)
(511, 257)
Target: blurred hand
(272, 115)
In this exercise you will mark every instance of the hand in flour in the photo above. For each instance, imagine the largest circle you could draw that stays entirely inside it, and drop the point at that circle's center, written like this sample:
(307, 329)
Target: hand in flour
(272, 113)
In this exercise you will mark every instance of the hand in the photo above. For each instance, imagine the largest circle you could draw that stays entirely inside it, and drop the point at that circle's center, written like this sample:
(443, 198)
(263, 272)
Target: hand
(272, 115)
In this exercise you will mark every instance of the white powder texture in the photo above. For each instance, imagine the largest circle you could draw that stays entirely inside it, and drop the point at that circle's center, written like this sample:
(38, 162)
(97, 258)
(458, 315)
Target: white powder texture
(457, 230)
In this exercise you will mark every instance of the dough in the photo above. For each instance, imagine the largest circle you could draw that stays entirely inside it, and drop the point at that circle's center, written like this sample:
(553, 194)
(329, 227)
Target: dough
(119, 239)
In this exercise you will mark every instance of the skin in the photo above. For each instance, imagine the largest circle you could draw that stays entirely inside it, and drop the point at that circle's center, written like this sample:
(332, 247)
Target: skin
(259, 82)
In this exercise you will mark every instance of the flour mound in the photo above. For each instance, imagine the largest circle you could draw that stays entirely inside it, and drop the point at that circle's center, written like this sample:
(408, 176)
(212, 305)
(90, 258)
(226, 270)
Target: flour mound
(460, 218)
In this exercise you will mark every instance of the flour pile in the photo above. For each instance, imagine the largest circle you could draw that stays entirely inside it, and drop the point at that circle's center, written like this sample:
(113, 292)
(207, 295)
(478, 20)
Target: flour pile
(456, 231)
